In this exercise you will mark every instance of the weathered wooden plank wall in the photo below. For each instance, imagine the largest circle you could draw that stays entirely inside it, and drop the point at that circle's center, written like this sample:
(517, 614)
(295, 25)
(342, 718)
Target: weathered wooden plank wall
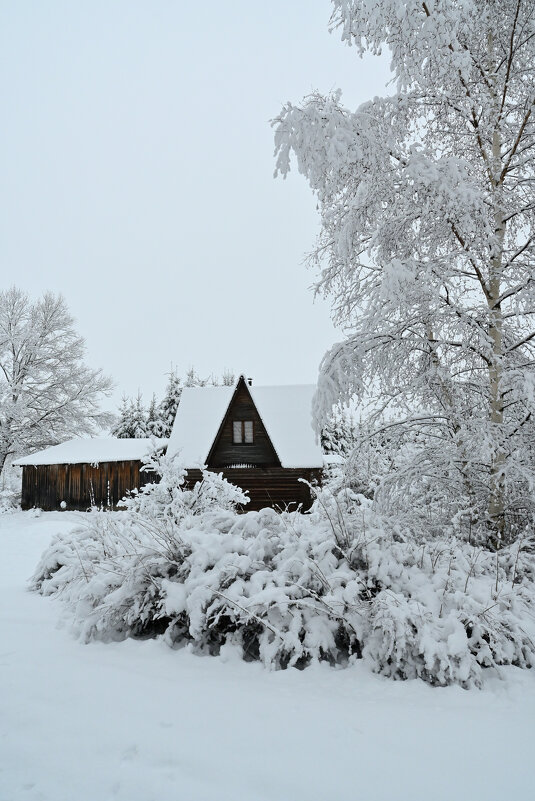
(80, 486)
(277, 487)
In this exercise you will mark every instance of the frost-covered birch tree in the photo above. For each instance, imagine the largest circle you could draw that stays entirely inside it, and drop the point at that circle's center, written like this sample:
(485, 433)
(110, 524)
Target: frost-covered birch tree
(47, 393)
(426, 246)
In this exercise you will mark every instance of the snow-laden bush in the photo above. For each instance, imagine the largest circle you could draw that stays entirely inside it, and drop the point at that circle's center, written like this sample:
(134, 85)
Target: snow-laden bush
(10, 484)
(336, 584)
(168, 498)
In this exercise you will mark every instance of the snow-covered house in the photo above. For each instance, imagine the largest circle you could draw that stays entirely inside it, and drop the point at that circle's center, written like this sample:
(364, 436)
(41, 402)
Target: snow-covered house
(85, 472)
(260, 438)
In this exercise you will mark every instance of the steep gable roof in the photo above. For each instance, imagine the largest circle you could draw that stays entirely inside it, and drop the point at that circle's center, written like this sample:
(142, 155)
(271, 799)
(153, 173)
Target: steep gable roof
(198, 417)
(286, 412)
(287, 415)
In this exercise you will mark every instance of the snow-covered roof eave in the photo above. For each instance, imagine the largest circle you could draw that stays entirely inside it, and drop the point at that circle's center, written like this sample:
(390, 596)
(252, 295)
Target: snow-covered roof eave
(93, 451)
(332, 458)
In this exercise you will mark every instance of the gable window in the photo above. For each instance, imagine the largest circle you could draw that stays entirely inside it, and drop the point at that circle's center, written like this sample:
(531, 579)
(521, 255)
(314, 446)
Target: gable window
(242, 432)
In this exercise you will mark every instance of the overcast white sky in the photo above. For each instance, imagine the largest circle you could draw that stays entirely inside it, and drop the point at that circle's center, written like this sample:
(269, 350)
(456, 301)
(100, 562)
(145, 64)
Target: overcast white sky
(136, 178)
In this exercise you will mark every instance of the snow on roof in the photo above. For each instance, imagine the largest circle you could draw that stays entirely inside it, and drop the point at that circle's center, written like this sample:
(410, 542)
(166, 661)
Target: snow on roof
(94, 451)
(197, 421)
(286, 412)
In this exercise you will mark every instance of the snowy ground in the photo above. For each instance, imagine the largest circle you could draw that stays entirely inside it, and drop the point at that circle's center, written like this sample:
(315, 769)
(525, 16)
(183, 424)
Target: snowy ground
(136, 721)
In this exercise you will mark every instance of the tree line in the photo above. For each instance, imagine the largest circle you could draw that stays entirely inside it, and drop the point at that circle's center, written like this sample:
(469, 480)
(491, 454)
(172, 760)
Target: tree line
(137, 421)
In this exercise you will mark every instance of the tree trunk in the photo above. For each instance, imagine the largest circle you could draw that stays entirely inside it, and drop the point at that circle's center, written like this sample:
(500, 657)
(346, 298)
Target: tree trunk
(3, 457)
(497, 479)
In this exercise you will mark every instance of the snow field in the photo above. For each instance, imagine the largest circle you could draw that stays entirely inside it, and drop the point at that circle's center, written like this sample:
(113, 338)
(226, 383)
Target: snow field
(137, 721)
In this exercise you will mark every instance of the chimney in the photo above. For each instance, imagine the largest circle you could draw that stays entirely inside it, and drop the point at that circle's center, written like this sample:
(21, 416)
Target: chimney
(250, 382)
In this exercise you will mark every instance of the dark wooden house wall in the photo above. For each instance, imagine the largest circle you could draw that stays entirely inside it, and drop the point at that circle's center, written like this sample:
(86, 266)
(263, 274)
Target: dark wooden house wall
(80, 486)
(277, 487)
(260, 452)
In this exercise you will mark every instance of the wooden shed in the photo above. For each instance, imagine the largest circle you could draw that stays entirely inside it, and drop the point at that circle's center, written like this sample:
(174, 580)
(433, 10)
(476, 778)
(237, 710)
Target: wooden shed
(82, 473)
(259, 438)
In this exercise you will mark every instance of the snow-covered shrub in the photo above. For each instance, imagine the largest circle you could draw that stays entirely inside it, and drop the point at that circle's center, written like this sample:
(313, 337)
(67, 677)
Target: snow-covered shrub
(10, 486)
(337, 584)
(169, 498)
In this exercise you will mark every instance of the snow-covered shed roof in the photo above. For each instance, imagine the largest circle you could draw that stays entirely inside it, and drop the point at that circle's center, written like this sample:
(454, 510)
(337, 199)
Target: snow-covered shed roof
(286, 412)
(93, 451)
